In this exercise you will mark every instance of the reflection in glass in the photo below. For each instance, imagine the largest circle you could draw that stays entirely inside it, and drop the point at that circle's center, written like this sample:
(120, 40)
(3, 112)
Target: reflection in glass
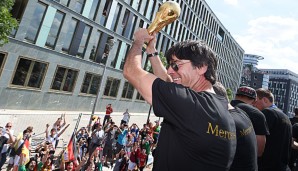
(79, 5)
(124, 22)
(112, 86)
(69, 34)
(84, 41)
(93, 11)
(29, 73)
(58, 78)
(132, 28)
(105, 13)
(2, 57)
(108, 46)
(55, 29)
(35, 23)
(127, 91)
(94, 43)
(64, 79)
(91, 84)
(116, 17)
(21, 72)
(37, 74)
(70, 80)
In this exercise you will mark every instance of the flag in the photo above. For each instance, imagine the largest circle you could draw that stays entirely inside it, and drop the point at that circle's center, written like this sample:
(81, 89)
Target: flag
(25, 152)
(70, 154)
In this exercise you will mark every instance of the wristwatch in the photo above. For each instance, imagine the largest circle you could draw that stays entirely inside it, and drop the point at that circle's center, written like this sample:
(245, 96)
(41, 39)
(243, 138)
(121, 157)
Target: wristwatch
(152, 54)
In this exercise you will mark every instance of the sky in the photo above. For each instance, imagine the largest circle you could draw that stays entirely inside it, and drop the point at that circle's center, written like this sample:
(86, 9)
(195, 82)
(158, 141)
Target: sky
(267, 28)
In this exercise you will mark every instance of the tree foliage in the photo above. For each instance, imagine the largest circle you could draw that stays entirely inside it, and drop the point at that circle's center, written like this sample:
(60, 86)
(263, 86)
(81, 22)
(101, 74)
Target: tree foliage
(7, 22)
(230, 94)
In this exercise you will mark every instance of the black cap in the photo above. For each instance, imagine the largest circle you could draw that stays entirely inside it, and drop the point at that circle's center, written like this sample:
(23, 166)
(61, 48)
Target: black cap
(247, 91)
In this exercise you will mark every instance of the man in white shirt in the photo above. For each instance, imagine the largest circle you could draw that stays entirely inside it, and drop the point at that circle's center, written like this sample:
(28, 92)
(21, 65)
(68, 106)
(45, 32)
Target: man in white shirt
(6, 139)
(126, 117)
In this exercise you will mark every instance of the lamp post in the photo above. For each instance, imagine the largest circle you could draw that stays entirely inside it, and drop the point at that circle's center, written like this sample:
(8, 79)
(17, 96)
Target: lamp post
(110, 43)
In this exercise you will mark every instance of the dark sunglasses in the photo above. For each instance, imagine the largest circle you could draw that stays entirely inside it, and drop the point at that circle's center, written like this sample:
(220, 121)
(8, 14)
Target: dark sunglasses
(8, 126)
(175, 65)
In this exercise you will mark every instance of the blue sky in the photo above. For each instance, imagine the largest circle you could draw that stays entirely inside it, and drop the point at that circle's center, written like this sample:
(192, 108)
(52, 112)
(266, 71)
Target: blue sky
(268, 28)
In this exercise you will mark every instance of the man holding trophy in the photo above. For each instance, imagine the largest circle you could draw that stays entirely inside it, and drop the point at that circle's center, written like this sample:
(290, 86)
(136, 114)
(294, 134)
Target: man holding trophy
(198, 132)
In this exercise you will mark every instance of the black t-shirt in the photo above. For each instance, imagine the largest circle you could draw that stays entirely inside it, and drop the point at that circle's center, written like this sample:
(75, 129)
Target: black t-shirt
(246, 152)
(294, 120)
(198, 132)
(295, 131)
(278, 143)
(255, 115)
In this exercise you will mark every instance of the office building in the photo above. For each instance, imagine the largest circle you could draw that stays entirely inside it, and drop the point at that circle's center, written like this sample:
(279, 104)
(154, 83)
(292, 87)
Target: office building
(283, 84)
(56, 57)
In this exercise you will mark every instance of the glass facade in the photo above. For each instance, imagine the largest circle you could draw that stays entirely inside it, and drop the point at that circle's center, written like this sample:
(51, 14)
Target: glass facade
(70, 43)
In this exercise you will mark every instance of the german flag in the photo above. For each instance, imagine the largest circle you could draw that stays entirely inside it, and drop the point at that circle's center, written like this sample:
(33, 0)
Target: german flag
(71, 149)
(25, 152)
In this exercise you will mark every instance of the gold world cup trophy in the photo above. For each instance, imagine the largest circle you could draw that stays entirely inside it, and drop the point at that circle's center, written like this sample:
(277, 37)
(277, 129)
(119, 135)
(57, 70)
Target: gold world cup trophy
(168, 12)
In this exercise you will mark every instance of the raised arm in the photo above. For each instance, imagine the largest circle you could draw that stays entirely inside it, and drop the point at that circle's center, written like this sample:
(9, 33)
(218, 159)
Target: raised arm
(133, 71)
(158, 68)
(62, 131)
(47, 130)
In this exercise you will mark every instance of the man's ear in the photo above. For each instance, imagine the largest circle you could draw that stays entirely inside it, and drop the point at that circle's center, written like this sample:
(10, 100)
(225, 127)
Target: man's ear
(266, 100)
(202, 70)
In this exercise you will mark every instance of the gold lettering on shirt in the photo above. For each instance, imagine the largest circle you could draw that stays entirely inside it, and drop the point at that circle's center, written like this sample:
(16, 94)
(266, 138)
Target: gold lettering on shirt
(216, 131)
(246, 131)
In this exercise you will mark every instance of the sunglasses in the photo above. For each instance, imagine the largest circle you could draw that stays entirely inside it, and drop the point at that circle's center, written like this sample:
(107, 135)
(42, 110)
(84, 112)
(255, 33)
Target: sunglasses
(175, 66)
(8, 126)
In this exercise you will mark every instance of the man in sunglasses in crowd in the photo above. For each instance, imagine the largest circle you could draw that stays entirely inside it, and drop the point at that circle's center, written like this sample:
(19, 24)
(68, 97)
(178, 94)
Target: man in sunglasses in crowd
(198, 133)
(6, 139)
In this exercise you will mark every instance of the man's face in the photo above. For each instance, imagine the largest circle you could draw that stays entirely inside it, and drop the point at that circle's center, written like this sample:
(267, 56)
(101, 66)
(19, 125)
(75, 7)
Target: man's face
(8, 126)
(183, 72)
(259, 103)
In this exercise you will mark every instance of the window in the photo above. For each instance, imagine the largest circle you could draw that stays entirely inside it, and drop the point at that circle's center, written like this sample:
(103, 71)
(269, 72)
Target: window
(116, 17)
(127, 92)
(123, 59)
(109, 45)
(91, 84)
(132, 28)
(79, 5)
(84, 41)
(221, 34)
(94, 43)
(71, 27)
(35, 23)
(55, 30)
(94, 8)
(17, 11)
(63, 2)
(2, 61)
(106, 11)
(139, 97)
(64, 79)
(29, 73)
(112, 87)
(124, 23)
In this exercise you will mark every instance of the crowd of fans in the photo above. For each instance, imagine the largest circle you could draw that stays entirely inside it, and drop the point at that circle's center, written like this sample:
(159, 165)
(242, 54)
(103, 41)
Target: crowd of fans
(119, 147)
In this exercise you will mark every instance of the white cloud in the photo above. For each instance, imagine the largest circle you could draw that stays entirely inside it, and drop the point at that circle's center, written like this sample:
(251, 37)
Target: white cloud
(231, 2)
(274, 38)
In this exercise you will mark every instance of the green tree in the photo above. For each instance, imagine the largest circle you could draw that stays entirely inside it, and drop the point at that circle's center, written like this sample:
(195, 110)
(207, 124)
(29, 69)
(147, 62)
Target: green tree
(230, 94)
(7, 22)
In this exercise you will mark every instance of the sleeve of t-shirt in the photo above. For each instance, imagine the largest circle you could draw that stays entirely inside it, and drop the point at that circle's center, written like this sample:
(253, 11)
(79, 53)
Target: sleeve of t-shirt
(270, 118)
(261, 127)
(168, 99)
(295, 131)
(258, 119)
